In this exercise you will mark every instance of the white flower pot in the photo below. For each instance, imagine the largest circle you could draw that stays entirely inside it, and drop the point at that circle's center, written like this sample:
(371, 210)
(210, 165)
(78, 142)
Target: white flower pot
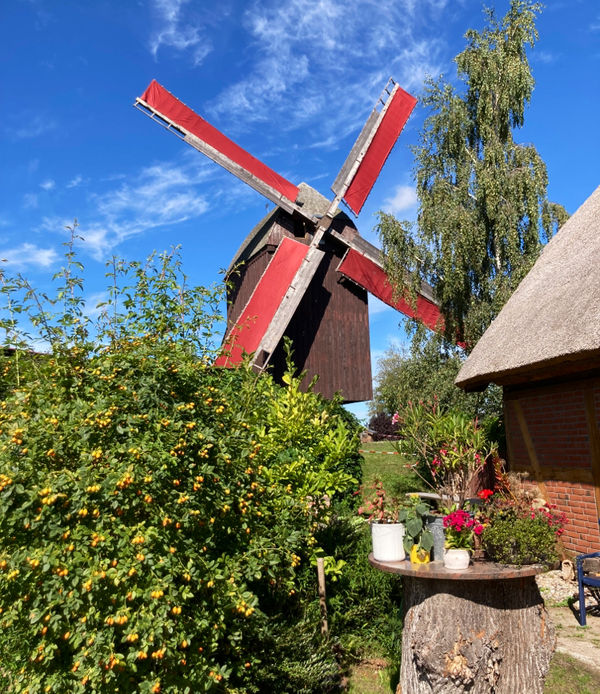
(457, 559)
(388, 541)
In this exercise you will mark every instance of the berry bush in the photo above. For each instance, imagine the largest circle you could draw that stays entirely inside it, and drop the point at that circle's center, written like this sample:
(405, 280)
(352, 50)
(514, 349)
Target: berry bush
(156, 512)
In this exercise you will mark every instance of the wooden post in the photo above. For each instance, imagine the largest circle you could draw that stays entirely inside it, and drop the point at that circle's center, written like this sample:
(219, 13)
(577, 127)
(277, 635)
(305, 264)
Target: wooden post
(533, 459)
(594, 434)
(322, 596)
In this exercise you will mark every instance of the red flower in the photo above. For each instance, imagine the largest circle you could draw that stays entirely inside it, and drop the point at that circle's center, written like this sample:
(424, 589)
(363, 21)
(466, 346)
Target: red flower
(485, 494)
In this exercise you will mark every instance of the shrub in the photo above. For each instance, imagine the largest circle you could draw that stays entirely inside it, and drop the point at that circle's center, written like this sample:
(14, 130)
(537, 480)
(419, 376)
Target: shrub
(383, 427)
(156, 513)
(514, 540)
(448, 448)
(365, 604)
(518, 527)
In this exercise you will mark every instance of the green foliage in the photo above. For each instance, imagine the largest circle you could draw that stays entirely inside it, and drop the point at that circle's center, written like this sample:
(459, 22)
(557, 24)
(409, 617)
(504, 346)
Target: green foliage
(414, 516)
(364, 604)
(483, 209)
(520, 540)
(448, 448)
(520, 528)
(426, 373)
(157, 515)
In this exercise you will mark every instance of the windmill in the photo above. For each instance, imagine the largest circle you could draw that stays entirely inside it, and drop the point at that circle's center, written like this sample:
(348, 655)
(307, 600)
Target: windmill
(306, 270)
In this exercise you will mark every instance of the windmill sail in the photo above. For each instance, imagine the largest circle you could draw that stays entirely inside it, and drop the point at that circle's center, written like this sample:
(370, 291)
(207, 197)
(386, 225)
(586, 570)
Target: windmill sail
(251, 332)
(371, 276)
(160, 104)
(373, 146)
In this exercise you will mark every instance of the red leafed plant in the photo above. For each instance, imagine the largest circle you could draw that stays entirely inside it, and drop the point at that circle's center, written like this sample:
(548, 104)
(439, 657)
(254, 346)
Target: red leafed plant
(380, 508)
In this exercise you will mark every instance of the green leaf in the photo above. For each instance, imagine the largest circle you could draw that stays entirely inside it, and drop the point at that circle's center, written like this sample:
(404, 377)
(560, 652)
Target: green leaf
(414, 526)
(426, 540)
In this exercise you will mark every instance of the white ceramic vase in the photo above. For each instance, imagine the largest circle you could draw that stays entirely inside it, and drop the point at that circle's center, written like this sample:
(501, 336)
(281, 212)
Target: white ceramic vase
(388, 541)
(457, 559)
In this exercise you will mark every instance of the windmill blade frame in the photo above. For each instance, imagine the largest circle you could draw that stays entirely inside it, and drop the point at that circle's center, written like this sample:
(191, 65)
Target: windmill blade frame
(167, 110)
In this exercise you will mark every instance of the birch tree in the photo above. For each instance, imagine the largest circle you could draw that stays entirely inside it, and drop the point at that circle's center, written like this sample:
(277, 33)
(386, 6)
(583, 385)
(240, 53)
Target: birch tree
(483, 214)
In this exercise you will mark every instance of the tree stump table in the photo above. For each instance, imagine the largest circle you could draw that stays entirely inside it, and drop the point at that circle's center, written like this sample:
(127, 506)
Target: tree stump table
(484, 630)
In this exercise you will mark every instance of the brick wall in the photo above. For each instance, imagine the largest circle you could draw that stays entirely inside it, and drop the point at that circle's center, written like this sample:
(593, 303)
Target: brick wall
(552, 444)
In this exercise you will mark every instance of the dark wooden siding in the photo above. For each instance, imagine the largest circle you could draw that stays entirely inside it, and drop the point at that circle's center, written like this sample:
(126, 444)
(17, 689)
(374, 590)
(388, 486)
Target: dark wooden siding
(330, 329)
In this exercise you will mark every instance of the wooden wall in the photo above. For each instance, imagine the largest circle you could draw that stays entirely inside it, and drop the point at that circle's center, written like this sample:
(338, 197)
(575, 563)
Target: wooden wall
(330, 329)
(553, 434)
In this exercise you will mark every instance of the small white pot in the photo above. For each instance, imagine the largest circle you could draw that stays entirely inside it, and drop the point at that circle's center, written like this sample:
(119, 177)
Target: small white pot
(388, 541)
(457, 559)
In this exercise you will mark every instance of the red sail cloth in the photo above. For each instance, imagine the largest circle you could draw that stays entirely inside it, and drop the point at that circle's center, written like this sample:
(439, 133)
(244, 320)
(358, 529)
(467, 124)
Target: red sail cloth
(385, 138)
(373, 278)
(251, 326)
(173, 109)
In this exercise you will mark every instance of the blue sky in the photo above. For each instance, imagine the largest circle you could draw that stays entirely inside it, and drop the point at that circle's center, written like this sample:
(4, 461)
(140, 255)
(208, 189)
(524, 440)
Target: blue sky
(291, 81)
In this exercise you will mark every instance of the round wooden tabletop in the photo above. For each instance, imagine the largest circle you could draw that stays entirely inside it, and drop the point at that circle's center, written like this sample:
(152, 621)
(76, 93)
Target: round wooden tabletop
(478, 571)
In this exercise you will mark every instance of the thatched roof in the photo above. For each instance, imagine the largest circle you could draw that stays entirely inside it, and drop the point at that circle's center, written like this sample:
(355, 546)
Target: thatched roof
(551, 324)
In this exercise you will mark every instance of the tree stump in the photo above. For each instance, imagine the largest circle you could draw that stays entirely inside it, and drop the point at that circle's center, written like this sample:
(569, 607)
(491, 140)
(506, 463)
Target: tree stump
(482, 631)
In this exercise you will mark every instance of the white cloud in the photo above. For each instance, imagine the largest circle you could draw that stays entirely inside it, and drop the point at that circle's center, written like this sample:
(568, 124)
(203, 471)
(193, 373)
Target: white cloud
(376, 306)
(404, 198)
(32, 126)
(543, 57)
(28, 255)
(321, 62)
(75, 181)
(30, 201)
(48, 184)
(396, 343)
(178, 33)
(91, 308)
(159, 195)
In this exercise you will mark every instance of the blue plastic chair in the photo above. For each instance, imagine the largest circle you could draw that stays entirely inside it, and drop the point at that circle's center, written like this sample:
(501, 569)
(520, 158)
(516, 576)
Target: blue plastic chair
(585, 580)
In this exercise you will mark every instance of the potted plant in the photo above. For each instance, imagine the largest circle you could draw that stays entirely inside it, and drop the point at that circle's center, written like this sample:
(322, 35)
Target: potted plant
(387, 531)
(448, 449)
(418, 539)
(522, 530)
(461, 528)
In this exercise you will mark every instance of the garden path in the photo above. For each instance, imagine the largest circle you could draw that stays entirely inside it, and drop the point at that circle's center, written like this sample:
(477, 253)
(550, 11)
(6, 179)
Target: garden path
(560, 596)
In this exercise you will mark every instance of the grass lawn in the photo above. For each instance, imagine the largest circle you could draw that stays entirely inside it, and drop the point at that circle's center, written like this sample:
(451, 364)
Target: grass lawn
(381, 462)
(570, 676)
(567, 676)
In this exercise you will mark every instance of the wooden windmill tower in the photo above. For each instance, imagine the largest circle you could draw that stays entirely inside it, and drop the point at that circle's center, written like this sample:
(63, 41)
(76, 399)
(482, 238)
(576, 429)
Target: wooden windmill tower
(305, 271)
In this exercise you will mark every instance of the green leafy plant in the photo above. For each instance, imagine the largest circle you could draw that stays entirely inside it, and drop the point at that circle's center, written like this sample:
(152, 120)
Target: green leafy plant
(525, 540)
(448, 448)
(519, 528)
(414, 515)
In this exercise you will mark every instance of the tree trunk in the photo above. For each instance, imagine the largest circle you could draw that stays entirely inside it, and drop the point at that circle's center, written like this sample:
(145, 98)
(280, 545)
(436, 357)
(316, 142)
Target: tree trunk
(475, 636)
